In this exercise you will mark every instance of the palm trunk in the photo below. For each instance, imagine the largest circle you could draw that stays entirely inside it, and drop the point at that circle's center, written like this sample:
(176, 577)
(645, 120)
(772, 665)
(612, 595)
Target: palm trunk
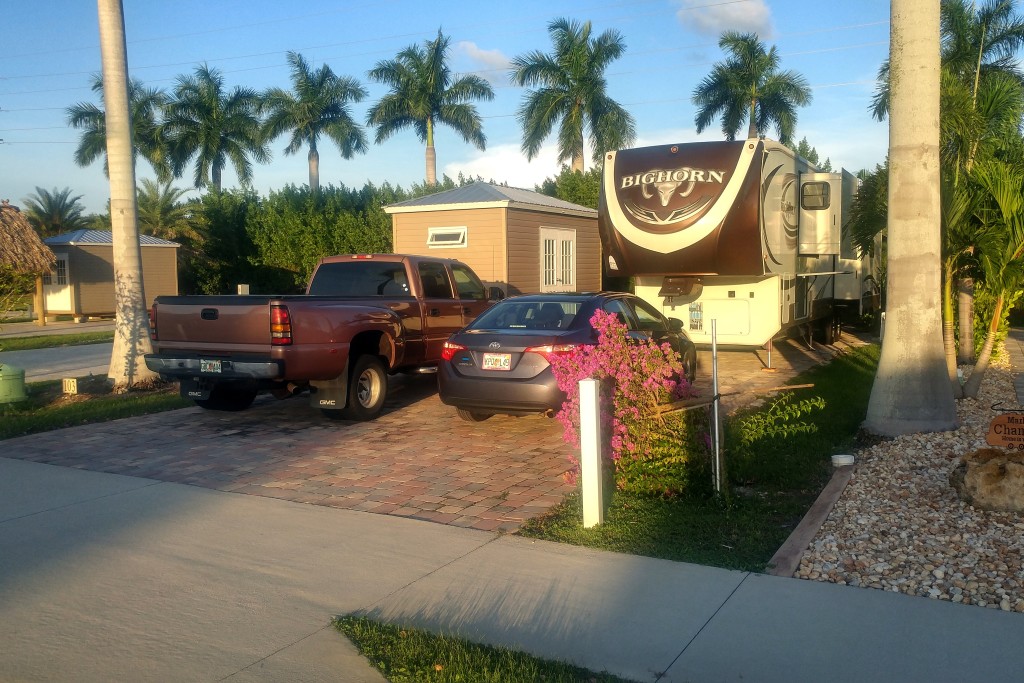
(911, 392)
(314, 170)
(215, 178)
(431, 154)
(131, 325)
(752, 128)
(577, 159)
(965, 298)
(948, 336)
(973, 384)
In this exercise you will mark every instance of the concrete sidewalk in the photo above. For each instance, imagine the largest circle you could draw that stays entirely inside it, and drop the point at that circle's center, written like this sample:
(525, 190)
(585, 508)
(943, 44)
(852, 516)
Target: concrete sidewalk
(106, 577)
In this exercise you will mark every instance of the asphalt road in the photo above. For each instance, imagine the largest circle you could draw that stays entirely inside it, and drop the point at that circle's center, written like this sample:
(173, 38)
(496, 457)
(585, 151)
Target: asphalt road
(60, 362)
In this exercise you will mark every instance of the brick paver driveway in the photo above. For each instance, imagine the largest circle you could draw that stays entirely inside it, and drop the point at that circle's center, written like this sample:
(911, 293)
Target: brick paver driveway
(417, 460)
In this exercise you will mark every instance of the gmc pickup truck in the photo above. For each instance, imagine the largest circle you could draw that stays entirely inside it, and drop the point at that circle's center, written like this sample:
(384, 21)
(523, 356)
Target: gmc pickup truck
(363, 317)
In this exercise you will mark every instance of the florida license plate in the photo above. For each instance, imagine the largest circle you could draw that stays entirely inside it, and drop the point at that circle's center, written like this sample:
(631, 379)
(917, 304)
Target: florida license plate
(209, 365)
(497, 361)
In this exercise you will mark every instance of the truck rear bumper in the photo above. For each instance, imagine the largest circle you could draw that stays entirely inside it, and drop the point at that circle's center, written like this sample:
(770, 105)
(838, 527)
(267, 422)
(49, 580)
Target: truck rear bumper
(179, 367)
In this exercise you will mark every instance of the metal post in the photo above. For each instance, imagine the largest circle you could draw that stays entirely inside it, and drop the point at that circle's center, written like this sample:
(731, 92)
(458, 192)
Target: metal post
(590, 453)
(716, 464)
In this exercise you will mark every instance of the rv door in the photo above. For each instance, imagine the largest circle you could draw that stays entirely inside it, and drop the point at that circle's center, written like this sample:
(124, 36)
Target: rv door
(820, 213)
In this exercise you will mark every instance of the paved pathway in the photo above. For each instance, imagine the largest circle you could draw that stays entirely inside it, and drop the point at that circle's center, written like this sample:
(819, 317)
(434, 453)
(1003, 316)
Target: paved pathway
(417, 460)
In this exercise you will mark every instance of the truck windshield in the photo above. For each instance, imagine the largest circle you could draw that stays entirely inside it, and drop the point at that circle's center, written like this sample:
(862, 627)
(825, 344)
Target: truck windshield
(360, 278)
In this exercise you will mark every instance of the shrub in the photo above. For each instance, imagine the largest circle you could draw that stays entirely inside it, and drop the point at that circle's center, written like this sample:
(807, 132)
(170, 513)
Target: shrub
(649, 452)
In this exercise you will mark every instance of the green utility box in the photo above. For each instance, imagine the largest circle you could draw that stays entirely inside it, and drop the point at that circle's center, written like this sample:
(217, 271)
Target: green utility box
(12, 384)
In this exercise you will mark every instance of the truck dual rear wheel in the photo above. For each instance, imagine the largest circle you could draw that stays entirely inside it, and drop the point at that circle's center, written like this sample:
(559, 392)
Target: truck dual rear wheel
(367, 389)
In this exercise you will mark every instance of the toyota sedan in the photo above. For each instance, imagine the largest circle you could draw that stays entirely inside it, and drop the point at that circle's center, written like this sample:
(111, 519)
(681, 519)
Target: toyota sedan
(499, 363)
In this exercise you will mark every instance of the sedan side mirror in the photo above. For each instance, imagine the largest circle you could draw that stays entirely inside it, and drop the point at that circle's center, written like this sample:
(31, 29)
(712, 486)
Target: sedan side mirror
(675, 324)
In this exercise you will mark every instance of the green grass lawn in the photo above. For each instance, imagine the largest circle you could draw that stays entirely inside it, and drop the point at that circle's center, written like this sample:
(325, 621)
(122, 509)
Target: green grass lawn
(406, 655)
(773, 481)
(48, 341)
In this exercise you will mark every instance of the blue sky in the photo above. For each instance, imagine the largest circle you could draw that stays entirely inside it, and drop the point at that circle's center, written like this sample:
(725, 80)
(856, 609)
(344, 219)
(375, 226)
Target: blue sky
(51, 49)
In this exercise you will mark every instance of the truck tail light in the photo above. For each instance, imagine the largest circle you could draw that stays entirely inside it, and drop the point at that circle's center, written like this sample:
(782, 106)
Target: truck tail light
(549, 351)
(152, 323)
(280, 325)
(450, 349)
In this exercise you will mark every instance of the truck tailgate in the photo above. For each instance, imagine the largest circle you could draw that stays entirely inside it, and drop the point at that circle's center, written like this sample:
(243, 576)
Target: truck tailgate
(223, 322)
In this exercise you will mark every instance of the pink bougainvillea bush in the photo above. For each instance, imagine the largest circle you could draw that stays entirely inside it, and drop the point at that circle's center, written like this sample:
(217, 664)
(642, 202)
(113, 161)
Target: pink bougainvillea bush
(649, 452)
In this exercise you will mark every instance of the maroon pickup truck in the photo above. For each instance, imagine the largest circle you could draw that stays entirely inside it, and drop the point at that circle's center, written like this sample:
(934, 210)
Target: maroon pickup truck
(363, 317)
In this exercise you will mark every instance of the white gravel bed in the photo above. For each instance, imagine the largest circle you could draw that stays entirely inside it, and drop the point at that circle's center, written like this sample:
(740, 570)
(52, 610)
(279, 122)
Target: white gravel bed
(899, 525)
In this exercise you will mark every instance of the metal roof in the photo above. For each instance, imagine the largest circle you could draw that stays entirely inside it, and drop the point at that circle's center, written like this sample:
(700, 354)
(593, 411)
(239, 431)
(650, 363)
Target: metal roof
(484, 195)
(79, 238)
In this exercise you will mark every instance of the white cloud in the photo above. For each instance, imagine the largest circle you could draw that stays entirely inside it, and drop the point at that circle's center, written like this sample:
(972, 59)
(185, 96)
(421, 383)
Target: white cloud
(491, 65)
(745, 16)
(508, 164)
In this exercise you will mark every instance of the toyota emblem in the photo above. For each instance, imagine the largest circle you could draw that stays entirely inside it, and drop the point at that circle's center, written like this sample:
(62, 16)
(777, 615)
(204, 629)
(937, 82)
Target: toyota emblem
(494, 345)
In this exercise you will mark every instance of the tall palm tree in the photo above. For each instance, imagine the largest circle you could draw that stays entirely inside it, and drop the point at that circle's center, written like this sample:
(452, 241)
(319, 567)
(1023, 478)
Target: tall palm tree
(206, 123)
(570, 90)
(748, 85)
(145, 105)
(424, 93)
(53, 213)
(911, 392)
(131, 326)
(317, 105)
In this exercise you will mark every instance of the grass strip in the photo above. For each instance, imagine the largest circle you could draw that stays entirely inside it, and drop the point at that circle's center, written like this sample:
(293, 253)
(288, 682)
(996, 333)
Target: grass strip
(49, 341)
(772, 485)
(47, 409)
(406, 655)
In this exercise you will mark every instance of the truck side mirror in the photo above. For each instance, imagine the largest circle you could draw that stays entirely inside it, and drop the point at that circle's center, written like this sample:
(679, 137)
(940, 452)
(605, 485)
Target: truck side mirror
(495, 293)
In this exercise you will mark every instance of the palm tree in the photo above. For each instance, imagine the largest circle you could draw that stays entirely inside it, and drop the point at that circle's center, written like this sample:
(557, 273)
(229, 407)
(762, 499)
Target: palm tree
(570, 88)
(911, 392)
(54, 213)
(131, 326)
(213, 126)
(748, 85)
(424, 93)
(317, 105)
(146, 106)
(162, 213)
(1001, 251)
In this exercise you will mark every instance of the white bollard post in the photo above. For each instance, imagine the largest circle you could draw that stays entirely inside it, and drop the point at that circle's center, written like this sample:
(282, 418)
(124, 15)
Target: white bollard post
(590, 453)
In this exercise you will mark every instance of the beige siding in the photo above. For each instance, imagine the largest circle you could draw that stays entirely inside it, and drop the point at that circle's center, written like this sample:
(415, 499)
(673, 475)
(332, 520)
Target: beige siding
(485, 249)
(91, 272)
(524, 248)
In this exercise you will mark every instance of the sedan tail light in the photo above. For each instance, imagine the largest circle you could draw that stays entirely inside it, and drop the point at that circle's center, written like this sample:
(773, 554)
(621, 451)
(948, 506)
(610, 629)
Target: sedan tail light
(551, 350)
(450, 349)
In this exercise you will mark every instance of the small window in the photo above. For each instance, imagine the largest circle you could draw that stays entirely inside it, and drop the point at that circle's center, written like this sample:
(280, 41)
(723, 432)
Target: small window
(814, 196)
(648, 317)
(446, 238)
(435, 281)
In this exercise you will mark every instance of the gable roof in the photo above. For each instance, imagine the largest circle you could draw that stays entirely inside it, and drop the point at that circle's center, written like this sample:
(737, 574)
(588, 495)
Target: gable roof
(481, 195)
(20, 246)
(91, 238)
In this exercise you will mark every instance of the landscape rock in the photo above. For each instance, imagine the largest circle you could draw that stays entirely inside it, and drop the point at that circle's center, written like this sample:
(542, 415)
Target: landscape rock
(990, 479)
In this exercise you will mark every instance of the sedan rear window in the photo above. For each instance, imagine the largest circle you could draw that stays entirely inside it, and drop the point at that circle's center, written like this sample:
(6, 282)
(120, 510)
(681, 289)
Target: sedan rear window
(528, 315)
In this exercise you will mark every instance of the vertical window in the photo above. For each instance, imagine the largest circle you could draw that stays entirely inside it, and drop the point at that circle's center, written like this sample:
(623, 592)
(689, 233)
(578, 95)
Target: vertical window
(568, 265)
(814, 196)
(435, 281)
(548, 267)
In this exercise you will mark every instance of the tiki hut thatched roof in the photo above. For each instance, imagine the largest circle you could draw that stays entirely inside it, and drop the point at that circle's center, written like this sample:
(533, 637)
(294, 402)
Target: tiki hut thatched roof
(20, 246)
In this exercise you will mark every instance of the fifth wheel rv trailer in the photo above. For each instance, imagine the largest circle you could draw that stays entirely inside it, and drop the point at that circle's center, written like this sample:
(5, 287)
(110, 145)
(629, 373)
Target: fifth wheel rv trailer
(745, 233)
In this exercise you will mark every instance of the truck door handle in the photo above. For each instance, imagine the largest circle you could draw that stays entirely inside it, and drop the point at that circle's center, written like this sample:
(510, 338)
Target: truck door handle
(465, 309)
(435, 312)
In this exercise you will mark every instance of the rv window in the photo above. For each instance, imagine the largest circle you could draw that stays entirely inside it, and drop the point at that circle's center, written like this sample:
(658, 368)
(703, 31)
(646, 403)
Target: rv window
(814, 196)
(446, 238)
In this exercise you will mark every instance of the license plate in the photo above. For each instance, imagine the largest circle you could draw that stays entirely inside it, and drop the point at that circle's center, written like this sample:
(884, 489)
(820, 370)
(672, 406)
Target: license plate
(209, 365)
(497, 361)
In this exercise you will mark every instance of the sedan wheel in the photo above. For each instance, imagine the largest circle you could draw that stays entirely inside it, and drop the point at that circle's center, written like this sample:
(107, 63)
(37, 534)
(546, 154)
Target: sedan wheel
(471, 416)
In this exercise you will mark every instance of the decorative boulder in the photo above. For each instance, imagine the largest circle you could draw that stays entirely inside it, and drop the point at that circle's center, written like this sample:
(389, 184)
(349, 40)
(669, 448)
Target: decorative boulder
(990, 479)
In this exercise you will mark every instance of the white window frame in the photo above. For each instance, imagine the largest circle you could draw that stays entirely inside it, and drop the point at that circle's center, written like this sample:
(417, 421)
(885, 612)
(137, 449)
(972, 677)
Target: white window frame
(558, 267)
(460, 241)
